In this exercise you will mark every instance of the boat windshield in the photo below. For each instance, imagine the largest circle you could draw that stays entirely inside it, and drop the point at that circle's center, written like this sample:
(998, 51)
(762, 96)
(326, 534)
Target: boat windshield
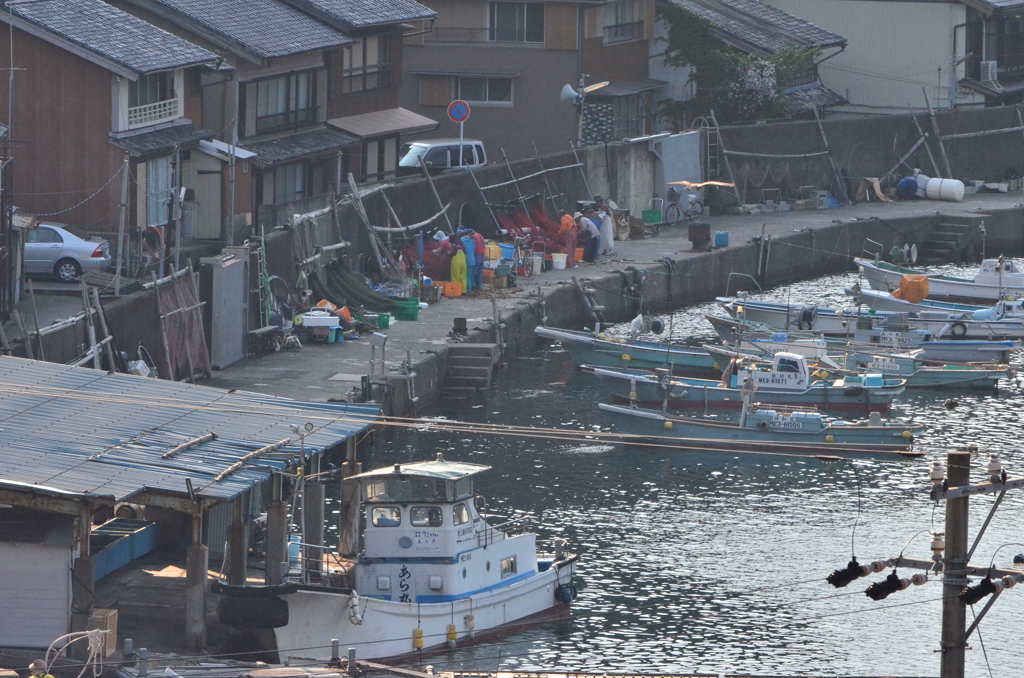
(404, 490)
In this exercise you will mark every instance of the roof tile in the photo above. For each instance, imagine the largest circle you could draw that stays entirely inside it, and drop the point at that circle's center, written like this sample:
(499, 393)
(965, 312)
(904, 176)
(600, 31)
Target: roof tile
(363, 13)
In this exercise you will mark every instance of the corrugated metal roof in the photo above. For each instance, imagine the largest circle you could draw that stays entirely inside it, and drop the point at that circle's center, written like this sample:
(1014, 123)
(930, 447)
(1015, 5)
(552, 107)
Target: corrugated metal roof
(301, 144)
(79, 431)
(441, 469)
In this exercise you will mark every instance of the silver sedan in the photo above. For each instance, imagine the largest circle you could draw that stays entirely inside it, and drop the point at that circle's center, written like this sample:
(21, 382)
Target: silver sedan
(54, 249)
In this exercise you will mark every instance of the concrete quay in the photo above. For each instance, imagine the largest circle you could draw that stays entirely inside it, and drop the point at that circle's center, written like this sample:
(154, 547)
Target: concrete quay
(804, 244)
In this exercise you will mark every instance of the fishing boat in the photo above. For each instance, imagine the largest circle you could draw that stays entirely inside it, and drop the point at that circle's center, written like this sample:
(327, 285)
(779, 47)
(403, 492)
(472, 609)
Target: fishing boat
(432, 574)
(885, 301)
(605, 350)
(842, 322)
(770, 429)
(892, 335)
(996, 279)
(787, 381)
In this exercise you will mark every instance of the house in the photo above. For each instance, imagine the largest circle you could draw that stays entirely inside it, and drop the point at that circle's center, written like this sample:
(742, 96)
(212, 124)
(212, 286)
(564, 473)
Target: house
(299, 71)
(897, 48)
(759, 29)
(94, 87)
(991, 45)
(510, 61)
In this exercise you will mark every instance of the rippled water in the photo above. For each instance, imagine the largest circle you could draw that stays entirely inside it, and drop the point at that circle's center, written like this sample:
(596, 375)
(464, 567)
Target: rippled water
(715, 562)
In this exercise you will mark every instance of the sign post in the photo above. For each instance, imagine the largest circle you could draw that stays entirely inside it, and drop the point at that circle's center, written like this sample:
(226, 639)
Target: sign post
(458, 111)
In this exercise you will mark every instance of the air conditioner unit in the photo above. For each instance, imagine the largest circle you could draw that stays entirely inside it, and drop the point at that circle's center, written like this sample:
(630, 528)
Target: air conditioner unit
(989, 71)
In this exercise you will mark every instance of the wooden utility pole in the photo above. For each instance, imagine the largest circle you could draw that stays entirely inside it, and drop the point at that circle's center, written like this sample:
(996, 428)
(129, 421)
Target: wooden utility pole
(954, 611)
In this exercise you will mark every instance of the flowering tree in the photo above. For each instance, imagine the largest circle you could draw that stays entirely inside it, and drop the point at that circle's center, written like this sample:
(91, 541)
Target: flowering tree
(755, 89)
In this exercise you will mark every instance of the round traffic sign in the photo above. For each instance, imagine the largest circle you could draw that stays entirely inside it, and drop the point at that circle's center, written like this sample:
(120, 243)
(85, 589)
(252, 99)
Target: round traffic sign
(458, 111)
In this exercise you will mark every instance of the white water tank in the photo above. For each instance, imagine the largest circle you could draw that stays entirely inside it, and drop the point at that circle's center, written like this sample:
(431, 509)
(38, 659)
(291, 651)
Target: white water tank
(922, 184)
(950, 190)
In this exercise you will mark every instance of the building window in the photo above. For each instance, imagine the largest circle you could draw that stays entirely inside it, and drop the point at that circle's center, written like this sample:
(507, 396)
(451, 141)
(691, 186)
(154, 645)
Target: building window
(159, 189)
(485, 90)
(516, 22)
(285, 101)
(622, 21)
(630, 117)
(289, 183)
(152, 99)
(366, 65)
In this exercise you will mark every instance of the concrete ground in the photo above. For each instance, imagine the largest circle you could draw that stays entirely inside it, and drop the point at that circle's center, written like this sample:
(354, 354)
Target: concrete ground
(318, 372)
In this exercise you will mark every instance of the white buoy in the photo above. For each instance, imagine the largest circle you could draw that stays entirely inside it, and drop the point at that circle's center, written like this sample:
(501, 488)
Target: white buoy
(950, 190)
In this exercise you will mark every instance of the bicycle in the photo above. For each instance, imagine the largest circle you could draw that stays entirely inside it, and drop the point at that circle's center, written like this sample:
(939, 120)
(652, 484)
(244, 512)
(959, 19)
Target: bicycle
(675, 212)
(520, 262)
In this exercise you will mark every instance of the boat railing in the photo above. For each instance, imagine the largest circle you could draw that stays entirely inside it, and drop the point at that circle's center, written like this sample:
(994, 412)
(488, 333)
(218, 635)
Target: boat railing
(494, 533)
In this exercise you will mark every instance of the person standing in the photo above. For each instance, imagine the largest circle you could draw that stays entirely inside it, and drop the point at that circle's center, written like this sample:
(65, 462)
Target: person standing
(591, 234)
(459, 267)
(567, 230)
(481, 257)
(604, 218)
(469, 247)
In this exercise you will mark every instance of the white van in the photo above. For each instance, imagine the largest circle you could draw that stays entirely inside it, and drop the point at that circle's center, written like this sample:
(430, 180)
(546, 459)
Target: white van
(440, 154)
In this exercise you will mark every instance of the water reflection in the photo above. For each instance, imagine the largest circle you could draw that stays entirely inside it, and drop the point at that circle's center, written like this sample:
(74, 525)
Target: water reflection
(715, 561)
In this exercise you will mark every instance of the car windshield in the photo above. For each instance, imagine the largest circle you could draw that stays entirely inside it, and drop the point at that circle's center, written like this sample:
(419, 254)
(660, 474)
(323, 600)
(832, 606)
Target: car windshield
(410, 154)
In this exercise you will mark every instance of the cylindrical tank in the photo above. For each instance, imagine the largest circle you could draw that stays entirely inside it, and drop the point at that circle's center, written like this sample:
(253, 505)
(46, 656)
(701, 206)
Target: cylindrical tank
(907, 187)
(950, 190)
(922, 185)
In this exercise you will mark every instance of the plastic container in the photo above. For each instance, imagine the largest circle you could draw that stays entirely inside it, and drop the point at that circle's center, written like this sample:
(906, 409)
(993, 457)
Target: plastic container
(559, 261)
(578, 256)
(503, 271)
(922, 184)
(907, 187)
(493, 251)
(383, 321)
(404, 311)
(538, 262)
(488, 275)
(722, 239)
(507, 251)
(950, 190)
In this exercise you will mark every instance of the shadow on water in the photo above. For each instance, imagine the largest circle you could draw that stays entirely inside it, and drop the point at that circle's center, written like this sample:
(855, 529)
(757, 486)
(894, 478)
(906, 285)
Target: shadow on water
(715, 561)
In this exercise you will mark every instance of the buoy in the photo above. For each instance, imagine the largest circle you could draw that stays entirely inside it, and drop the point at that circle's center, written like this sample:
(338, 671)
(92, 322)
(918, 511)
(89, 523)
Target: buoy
(632, 395)
(908, 435)
(973, 447)
(830, 438)
(950, 403)
(417, 638)
(452, 635)
(625, 356)
(471, 626)
(668, 425)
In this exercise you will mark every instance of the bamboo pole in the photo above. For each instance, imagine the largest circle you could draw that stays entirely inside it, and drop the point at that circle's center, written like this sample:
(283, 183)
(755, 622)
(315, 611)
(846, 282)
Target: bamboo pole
(938, 134)
(831, 159)
(35, 317)
(931, 157)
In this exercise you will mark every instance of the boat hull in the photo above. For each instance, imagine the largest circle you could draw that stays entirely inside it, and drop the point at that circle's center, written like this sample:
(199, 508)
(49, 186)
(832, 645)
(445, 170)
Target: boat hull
(696, 394)
(586, 349)
(941, 289)
(386, 629)
(701, 435)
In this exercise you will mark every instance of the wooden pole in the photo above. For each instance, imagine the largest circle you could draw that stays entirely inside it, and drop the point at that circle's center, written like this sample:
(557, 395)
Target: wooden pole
(831, 159)
(109, 346)
(35, 318)
(935, 166)
(938, 134)
(725, 158)
(512, 174)
(551, 191)
(433, 189)
(24, 334)
(954, 611)
(90, 328)
(120, 228)
(483, 196)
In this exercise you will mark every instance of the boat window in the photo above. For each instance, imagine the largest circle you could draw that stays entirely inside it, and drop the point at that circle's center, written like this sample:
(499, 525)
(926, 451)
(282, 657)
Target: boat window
(787, 365)
(460, 514)
(387, 516)
(464, 487)
(425, 516)
(508, 567)
(404, 490)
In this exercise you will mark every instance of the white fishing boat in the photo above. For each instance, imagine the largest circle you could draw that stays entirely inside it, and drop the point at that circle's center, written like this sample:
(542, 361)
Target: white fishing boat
(432, 574)
(885, 301)
(995, 280)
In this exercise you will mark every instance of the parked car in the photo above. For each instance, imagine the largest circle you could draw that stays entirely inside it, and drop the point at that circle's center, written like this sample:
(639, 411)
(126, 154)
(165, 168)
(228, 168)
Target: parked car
(59, 250)
(440, 154)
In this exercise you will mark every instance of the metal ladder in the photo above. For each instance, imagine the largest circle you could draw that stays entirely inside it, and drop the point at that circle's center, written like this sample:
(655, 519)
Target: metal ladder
(712, 146)
(595, 310)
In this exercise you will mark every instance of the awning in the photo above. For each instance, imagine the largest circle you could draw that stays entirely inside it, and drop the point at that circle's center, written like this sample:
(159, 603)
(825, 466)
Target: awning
(163, 141)
(810, 98)
(222, 151)
(625, 89)
(380, 123)
(994, 89)
(295, 146)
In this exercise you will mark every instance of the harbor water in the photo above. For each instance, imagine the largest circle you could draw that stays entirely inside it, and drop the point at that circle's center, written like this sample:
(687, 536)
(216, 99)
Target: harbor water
(716, 562)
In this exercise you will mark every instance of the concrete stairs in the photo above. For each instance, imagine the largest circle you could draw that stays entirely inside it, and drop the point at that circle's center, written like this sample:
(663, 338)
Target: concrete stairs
(948, 241)
(469, 369)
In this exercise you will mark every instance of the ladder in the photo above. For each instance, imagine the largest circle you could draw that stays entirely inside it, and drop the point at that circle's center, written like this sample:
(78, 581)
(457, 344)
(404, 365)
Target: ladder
(712, 147)
(263, 282)
(595, 310)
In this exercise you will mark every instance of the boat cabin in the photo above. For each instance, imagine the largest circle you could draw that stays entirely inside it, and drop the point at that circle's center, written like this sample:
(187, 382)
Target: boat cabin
(1003, 272)
(788, 371)
(425, 541)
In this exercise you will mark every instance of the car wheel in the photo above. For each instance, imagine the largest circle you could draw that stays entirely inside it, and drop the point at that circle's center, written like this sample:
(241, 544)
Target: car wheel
(67, 270)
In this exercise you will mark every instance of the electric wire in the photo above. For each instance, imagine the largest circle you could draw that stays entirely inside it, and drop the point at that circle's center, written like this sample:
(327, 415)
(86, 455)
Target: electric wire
(982, 641)
(76, 206)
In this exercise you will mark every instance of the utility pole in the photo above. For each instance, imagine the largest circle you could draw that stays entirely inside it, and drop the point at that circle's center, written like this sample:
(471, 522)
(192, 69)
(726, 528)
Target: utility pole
(121, 259)
(954, 611)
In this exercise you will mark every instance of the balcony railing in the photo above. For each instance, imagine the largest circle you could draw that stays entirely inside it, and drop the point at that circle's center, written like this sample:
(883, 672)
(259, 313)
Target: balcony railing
(808, 77)
(300, 116)
(151, 114)
(484, 35)
(624, 32)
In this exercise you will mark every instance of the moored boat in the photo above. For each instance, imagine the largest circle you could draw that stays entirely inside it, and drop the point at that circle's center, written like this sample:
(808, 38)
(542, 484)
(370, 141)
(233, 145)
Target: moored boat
(432, 573)
(603, 350)
(770, 429)
(995, 279)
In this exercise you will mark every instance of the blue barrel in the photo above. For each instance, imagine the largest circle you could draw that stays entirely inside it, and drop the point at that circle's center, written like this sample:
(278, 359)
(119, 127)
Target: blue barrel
(722, 239)
(906, 188)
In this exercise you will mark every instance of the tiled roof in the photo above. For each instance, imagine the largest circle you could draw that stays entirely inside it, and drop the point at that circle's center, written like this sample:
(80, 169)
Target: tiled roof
(300, 145)
(264, 28)
(109, 33)
(163, 141)
(754, 26)
(363, 13)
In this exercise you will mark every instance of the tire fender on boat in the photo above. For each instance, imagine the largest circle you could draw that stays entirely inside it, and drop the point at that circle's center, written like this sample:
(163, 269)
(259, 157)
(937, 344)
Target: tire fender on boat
(958, 330)
(354, 615)
(566, 593)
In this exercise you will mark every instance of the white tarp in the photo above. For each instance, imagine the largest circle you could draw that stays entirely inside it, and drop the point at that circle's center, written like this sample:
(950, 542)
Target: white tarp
(680, 159)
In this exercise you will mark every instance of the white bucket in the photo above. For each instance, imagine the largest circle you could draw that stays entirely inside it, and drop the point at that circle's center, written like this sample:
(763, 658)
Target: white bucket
(538, 262)
(559, 261)
(950, 190)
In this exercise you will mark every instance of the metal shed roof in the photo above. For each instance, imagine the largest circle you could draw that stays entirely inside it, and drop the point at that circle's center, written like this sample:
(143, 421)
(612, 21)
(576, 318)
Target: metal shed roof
(78, 432)
(440, 469)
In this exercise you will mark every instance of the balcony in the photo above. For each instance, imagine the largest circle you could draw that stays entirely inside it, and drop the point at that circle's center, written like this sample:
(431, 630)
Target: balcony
(485, 35)
(623, 32)
(151, 114)
(286, 120)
